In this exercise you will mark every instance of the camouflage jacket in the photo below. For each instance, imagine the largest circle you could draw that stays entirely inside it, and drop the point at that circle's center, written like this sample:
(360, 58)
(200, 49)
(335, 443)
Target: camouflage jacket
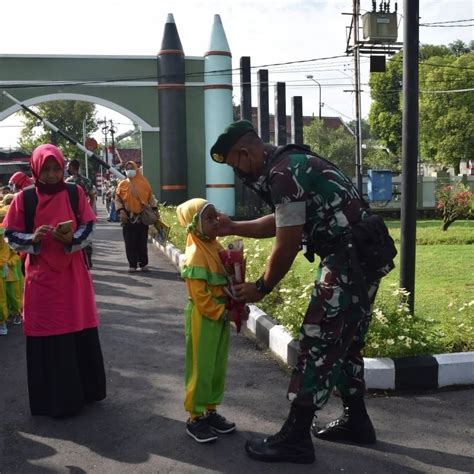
(83, 182)
(303, 188)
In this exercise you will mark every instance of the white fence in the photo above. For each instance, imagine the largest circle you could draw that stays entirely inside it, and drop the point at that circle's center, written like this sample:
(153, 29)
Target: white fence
(426, 191)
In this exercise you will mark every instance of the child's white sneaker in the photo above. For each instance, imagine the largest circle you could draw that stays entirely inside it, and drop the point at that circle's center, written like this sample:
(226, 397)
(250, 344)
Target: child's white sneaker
(3, 329)
(17, 319)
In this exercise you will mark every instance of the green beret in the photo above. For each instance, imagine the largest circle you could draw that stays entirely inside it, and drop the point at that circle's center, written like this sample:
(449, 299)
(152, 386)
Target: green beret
(229, 138)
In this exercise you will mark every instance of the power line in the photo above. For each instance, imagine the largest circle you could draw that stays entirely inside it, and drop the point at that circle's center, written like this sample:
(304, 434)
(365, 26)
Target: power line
(233, 71)
(340, 113)
(216, 72)
(424, 63)
(448, 91)
(300, 61)
(448, 26)
(447, 21)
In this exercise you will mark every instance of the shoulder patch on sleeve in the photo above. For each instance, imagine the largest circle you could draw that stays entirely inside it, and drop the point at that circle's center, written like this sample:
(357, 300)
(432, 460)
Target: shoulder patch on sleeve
(290, 213)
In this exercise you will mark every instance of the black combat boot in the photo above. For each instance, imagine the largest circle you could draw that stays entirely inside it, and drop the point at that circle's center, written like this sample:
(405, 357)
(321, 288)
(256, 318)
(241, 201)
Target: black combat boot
(354, 425)
(292, 443)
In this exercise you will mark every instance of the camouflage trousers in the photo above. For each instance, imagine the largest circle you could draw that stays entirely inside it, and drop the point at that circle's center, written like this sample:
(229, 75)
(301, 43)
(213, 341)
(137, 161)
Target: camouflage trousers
(332, 336)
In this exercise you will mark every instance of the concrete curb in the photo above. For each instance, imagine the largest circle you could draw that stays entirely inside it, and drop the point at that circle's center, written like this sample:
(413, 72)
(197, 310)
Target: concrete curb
(419, 372)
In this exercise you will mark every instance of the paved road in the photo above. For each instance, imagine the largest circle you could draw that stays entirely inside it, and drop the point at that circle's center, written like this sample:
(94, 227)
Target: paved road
(140, 426)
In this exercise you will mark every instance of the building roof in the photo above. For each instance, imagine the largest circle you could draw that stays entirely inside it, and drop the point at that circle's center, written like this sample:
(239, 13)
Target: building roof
(330, 122)
(17, 155)
(129, 154)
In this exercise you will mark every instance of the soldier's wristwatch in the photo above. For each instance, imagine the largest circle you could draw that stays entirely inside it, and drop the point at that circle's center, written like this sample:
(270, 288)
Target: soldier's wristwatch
(261, 288)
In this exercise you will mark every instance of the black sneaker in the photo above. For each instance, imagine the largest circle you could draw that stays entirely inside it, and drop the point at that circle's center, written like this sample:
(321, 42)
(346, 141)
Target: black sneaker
(200, 430)
(219, 423)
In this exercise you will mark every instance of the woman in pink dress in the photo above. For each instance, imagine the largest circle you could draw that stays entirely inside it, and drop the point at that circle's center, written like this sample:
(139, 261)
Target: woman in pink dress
(64, 358)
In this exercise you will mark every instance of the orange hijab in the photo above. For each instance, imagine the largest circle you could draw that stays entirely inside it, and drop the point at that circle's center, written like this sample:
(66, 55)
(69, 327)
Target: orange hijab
(134, 200)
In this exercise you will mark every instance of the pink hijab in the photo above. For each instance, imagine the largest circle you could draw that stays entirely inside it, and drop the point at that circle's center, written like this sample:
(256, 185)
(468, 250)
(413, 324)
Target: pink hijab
(52, 208)
(21, 180)
(41, 154)
(59, 296)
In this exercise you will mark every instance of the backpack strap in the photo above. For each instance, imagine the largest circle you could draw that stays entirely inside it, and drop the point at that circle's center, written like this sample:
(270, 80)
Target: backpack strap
(73, 199)
(30, 202)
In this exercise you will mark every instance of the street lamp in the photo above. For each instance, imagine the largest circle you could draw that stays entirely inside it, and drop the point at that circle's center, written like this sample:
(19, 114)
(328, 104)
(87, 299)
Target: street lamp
(311, 78)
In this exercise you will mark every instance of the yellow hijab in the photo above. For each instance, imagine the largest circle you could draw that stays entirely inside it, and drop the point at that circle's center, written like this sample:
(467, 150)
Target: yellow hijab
(202, 259)
(134, 200)
(4, 248)
(7, 199)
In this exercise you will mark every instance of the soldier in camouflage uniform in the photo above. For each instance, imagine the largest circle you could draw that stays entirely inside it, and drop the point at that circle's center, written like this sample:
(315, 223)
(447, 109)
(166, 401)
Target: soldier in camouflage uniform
(313, 203)
(77, 178)
(86, 184)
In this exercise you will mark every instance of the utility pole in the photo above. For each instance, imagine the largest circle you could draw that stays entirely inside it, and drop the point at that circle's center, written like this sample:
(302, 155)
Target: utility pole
(380, 37)
(105, 131)
(409, 148)
(358, 135)
(86, 161)
(112, 130)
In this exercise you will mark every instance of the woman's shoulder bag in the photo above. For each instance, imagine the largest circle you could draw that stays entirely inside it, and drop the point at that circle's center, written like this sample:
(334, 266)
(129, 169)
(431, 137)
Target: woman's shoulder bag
(148, 215)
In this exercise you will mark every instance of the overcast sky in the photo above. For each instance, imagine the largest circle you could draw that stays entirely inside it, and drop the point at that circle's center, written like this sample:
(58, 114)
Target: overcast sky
(269, 31)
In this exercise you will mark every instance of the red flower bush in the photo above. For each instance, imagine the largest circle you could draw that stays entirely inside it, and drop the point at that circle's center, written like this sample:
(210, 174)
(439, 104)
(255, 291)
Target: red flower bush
(455, 201)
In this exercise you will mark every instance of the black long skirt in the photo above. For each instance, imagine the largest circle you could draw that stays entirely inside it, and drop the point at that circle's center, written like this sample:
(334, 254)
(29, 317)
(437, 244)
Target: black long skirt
(64, 372)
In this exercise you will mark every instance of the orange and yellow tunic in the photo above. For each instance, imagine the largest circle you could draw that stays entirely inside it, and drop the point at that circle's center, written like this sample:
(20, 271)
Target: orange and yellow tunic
(207, 330)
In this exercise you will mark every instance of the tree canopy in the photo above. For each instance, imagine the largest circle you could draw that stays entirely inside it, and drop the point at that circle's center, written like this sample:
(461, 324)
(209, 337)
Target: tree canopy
(68, 116)
(446, 118)
(132, 141)
(337, 145)
(385, 116)
(377, 157)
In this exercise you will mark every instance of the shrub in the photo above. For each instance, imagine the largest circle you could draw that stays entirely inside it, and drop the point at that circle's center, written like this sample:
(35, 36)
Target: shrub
(457, 327)
(455, 202)
(177, 234)
(395, 332)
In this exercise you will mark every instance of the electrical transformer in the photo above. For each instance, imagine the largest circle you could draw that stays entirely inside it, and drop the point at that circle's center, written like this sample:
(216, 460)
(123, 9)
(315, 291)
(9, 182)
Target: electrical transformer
(379, 27)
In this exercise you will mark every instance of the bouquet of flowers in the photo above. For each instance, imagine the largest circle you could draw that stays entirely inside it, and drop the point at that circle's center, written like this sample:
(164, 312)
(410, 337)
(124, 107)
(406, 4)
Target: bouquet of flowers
(232, 258)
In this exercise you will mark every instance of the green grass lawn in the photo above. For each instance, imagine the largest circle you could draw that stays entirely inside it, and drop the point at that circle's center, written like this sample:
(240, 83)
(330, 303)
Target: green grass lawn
(444, 275)
(428, 232)
(444, 263)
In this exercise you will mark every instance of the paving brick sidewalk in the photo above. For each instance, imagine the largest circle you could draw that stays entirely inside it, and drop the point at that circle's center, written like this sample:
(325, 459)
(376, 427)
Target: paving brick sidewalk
(140, 426)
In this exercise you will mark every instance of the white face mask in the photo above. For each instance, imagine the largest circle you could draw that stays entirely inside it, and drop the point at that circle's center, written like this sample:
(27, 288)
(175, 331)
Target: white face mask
(131, 173)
